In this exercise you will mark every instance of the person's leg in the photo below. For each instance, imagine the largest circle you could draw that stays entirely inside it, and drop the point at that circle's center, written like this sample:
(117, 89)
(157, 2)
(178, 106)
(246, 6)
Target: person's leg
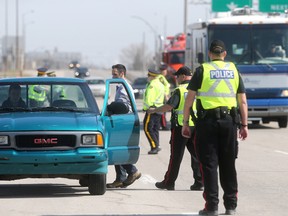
(120, 177)
(227, 169)
(177, 147)
(195, 164)
(156, 127)
(206, 148)
(148, 130)
(133, 174)
(151, 129)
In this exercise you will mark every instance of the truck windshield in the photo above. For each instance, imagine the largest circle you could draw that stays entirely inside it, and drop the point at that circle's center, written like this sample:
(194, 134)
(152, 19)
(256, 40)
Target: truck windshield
(177, 57)
(253, 44)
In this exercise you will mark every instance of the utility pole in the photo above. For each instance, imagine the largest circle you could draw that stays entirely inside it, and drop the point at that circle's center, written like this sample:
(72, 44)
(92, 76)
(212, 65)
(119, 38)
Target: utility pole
(17, 39)
(185, 16)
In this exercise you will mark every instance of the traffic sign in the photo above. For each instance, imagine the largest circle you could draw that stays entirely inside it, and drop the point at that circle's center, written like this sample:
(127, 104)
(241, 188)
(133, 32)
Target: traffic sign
(228, 5)
(273, 5)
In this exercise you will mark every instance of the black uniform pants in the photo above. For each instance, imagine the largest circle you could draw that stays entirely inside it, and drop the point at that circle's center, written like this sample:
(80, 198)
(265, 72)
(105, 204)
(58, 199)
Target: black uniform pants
(216, 147)
(177, 148)
(151, 128)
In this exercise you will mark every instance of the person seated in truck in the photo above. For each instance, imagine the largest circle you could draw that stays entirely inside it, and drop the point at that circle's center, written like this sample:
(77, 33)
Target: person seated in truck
(14, 99)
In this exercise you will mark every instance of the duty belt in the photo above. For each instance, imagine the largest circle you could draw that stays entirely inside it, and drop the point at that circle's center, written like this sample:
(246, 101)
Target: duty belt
(217, 113)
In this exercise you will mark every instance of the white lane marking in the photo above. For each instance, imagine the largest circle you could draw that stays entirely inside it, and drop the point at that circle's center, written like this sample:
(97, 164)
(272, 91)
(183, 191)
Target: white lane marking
(147, 179)
(281, 152)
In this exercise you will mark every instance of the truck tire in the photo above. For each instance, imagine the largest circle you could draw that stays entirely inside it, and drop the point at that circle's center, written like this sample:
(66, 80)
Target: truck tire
(265, 121)
(97, 184)
(282, 122)
(84, 182)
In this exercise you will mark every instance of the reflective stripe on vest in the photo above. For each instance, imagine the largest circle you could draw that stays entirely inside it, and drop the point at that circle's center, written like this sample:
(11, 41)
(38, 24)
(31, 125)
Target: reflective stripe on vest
(34, 95)
(179, 110)
(156, 99)
(219, 85)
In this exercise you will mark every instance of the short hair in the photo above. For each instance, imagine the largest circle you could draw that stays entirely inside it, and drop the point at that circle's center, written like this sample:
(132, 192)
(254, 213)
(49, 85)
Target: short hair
(121, 68)
(15, 87)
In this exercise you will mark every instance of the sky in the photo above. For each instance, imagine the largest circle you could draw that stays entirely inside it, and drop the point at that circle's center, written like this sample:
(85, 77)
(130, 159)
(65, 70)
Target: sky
(99, 29)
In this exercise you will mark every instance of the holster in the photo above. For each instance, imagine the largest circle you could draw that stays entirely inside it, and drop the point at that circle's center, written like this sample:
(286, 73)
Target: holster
(193, 116)
(234, 112)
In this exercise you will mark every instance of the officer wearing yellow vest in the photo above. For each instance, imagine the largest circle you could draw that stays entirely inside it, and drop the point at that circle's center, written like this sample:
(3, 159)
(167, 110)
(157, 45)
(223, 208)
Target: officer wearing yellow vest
(153, 97)
(36, 93)
(58, 90)
(162, 77)
(175, 104)
(219, 89)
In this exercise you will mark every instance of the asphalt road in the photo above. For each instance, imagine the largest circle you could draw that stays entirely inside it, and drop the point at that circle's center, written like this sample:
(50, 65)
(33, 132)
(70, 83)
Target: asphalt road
(262, 175)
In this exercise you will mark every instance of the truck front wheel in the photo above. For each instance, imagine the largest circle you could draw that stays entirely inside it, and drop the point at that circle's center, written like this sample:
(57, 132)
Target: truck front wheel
(282, 122)
(97, 184)
(84, 181)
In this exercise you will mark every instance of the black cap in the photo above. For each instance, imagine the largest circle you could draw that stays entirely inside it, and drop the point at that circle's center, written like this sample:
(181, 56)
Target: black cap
(217, 47)
(184, 70)
(153, 72)
(163, 66)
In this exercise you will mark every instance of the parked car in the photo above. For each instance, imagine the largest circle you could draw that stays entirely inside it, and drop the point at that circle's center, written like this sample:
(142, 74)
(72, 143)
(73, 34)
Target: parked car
(81, 72)
(64, 136)
(97, 85)
(139, 86)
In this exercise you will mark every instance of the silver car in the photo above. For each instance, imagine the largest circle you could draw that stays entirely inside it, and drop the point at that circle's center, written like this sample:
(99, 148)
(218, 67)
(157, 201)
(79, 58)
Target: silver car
(97, 85)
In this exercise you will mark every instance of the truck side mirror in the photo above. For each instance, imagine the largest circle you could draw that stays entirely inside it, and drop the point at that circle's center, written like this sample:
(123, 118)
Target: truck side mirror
(117, 108)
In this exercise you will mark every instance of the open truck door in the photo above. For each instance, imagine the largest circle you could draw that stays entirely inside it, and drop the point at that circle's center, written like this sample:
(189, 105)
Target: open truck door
(122, 126)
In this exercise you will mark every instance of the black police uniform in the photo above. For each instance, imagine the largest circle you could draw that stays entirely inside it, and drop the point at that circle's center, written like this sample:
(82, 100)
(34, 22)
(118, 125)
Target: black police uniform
(214, 135)
(178, 143)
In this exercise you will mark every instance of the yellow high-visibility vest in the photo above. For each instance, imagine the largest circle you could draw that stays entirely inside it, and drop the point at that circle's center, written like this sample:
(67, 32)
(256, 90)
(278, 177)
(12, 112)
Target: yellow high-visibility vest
(179, 111)
(219, 85)
(154, 94)
(37, 93)
(166, 84)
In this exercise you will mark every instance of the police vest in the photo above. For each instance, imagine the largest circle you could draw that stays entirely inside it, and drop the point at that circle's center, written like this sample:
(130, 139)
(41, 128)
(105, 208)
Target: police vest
(166, 84)
(219, 85)
(179, 111)
(37, 93)
(154, 94)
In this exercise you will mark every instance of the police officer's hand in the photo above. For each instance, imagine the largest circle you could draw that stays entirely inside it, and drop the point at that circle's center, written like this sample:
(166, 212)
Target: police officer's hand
(186, 132)
(243, 132)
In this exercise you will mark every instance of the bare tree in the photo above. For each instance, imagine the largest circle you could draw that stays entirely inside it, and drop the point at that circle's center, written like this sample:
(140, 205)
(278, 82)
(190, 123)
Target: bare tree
(136, 57)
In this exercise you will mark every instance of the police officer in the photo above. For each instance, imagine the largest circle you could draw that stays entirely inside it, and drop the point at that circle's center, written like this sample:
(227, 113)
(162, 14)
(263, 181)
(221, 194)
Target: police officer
(164, 81)
(177, 141)
(153, 97)
(36, 93)
(218, 87)
(58, 90)
(41, 72)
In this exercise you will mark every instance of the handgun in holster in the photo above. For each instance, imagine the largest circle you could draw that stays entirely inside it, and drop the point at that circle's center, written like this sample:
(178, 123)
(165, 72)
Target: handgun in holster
(234, 112)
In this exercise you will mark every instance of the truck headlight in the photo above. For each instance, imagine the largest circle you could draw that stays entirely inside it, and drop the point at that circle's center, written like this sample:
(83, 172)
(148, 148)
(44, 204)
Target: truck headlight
(93, 139)
(4, 140)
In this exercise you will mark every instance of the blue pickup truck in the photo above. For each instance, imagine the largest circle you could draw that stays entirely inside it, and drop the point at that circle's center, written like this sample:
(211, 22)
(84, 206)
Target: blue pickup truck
(52, 127)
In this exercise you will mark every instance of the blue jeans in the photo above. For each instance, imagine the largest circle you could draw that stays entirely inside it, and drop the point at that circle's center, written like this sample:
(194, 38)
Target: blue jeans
(123, 170)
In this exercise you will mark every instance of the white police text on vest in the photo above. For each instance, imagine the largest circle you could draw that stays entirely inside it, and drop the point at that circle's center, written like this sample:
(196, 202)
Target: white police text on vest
(221, 74)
